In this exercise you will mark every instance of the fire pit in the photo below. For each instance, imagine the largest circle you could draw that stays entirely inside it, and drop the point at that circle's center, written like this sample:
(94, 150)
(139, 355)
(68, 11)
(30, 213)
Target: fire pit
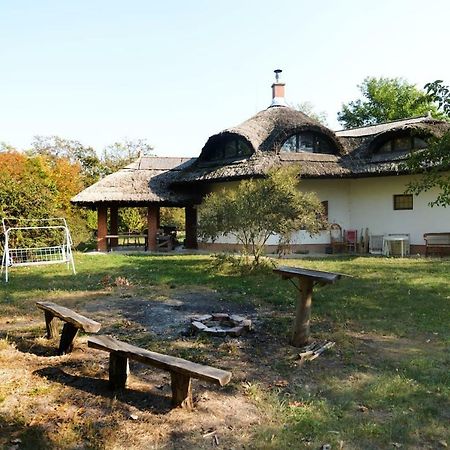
(221, 324)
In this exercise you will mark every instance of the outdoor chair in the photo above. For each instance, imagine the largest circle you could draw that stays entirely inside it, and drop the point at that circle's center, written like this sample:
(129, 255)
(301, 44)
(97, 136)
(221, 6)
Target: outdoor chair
(351, 240)
(336, 238)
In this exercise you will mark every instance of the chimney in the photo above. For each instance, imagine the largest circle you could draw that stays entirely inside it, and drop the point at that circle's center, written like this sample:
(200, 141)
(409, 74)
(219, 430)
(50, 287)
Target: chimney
(278, 90)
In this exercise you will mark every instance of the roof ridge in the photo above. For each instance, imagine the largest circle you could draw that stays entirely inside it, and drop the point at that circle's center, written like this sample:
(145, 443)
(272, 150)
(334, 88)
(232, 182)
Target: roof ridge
(384, 123)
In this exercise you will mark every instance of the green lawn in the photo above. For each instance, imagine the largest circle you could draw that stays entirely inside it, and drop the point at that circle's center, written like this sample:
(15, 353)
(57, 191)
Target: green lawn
(384, 385)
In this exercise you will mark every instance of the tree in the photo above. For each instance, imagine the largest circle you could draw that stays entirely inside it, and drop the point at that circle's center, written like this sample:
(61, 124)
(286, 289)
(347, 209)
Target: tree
(386, 99)
(434, 161)
(121, 153)
(56, 147)
(258, 209)
(308, 109)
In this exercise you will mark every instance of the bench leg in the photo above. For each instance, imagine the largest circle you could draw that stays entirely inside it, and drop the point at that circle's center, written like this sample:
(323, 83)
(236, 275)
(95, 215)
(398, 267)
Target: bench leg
(67, 336)
(300, 335)
(50, 324)
(181, 391)
(118, 371)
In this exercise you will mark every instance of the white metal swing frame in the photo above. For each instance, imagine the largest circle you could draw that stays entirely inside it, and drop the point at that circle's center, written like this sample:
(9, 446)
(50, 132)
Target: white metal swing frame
(33, 256)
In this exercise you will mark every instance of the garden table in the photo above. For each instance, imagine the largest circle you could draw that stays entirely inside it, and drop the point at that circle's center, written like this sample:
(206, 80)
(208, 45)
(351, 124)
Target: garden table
(404, 244)
(306, 280)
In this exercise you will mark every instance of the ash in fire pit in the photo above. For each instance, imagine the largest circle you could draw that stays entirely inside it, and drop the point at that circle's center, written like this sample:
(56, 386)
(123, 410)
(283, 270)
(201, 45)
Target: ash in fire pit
(221, 324)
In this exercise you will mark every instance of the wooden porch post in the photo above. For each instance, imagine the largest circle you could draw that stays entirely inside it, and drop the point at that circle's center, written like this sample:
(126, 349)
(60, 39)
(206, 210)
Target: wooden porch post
(152, 225)
(102, 228)
(191, 227)
(114, 223)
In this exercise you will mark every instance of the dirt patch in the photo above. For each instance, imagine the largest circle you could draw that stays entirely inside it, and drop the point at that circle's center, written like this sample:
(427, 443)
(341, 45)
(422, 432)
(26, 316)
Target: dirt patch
(167, 313)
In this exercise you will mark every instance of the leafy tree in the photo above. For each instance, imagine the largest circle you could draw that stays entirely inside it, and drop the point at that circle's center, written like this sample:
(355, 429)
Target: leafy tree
(132, 219)
(119, 154)
(386, 99)
(308, 109)
(40, 186)
(173, 217)
(434, 162)
(258, 209)
(56, 147)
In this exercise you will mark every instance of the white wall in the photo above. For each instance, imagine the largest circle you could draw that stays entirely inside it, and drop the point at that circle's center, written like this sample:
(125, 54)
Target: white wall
(368, 203)
(371, 205)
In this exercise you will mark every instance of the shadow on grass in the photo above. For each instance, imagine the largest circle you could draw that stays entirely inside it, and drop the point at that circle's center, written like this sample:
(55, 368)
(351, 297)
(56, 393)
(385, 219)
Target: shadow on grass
(17, 435)
(28, 342)
(142, 400)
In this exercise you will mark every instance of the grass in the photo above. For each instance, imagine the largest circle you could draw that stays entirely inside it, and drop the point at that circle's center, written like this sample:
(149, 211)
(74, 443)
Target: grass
(385, 384)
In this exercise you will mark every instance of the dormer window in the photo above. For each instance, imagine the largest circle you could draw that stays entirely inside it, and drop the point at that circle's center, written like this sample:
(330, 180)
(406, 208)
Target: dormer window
(308, 141)
(228, 149)
(405, 143)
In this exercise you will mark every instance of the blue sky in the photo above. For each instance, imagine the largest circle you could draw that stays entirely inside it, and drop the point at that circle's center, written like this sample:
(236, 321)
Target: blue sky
(177, 72)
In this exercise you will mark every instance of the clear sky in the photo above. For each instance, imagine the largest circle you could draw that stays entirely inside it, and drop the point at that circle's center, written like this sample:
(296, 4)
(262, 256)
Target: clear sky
(176, 72)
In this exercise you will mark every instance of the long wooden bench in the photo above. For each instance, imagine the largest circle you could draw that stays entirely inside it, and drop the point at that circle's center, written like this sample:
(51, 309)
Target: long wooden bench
(181, 371)
(436, 241)
(73, 323)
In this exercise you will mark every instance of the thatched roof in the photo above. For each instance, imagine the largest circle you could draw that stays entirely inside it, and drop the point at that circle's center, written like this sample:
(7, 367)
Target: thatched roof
(356, 156)
(177, 181)
(147, 180)
(267, 130)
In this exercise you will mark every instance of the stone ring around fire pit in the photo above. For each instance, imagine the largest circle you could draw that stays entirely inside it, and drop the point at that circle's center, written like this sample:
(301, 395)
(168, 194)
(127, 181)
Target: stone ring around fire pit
(221, 324)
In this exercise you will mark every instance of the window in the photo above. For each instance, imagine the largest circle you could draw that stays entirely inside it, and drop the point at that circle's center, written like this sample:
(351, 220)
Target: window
(403, 201)
(228, 149)
(308, 141)
(403, 143)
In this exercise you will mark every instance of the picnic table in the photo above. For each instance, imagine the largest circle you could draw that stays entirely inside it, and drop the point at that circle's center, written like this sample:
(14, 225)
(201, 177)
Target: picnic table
(306, 280)
(128, 239)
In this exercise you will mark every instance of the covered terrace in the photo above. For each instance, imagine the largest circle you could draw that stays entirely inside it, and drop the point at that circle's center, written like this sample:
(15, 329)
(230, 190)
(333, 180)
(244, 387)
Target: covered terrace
(144, 183)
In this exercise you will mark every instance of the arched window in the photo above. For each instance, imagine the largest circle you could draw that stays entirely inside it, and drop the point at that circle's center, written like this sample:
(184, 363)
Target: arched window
(228, 149)
(308, 141)
(402, 143)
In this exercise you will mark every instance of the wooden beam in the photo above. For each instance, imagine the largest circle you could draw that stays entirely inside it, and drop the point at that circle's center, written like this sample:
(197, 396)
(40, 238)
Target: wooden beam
(300, 335)
(119, 370)
(191, 227)
(152, 227)
(67, 337)
(50, 324)
(114, 224)
(181, 391)
(102, 228)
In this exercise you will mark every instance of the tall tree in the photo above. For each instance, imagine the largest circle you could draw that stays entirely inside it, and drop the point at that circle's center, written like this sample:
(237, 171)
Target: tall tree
(57, 147)
(121, 153)
(309, 109)
(434, 162)
(385, 99)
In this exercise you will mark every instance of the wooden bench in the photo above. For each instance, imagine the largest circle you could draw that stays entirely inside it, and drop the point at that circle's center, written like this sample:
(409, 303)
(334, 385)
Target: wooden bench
(439, 241)
(73, 323)
(181, 371)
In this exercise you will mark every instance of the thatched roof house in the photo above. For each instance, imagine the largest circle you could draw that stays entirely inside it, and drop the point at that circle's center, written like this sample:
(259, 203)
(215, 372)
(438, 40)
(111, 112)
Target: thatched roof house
(276, 136)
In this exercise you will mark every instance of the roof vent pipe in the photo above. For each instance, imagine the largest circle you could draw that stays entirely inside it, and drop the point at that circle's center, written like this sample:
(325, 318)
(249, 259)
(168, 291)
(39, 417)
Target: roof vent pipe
(278, 91)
